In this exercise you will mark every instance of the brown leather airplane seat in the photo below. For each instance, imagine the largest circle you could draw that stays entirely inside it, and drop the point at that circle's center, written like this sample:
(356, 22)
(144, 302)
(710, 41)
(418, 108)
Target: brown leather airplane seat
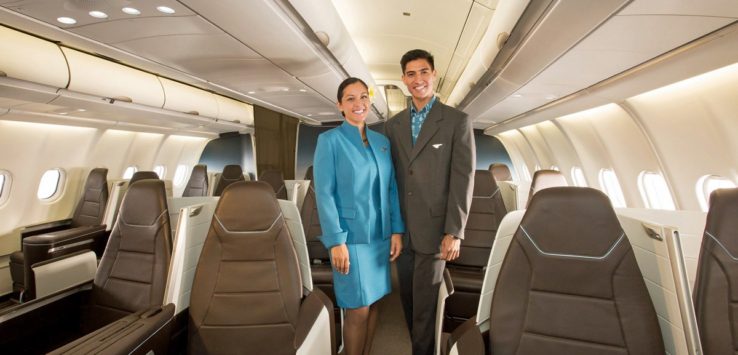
(247, 294)
(88, 215)
(143, 175)
(231, 174)
(275, 179)
(544, 179)
(132, 274)
(467, 272)
(197, 185)
(716, 285)
(320, 259)
(570, 284)
(501, 172)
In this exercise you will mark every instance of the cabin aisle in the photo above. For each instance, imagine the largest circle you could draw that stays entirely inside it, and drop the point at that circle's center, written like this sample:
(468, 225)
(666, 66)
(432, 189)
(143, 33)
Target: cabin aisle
(391, 336)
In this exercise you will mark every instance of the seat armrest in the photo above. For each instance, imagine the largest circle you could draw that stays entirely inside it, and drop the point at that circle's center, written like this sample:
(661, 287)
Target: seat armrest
(45, 227)
(315, 325)
(139, 333)
(466, 339)
(66, 235)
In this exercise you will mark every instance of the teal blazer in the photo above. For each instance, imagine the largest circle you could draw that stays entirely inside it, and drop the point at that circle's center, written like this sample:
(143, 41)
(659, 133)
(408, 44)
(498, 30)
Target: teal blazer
(341, 189)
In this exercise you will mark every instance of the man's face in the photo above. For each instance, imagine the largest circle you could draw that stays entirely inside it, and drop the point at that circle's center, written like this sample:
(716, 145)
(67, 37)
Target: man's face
(419, 78)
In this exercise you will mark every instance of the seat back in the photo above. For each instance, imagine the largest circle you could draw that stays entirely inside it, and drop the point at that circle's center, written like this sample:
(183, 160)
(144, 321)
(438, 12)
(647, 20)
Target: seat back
(544, 179)
(485, 214)
(570, 283)
(275, 178)
(132, 273)
(198, 183)
(230, 174)
(311, 223)
(91, 206)
(143, 175)
(247, 288)
(715, 289)
(500, 172)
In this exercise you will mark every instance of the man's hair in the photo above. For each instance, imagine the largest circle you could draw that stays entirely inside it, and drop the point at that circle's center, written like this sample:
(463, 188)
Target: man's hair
(416, 54)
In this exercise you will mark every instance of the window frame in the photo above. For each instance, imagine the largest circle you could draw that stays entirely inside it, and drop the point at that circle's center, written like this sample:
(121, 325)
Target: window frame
(163, 169)
(58, 187)
(125, 172)
(611, 190)
(703, 195)
(652, 198)
(576, 174)
(5, 186)
(180, 175)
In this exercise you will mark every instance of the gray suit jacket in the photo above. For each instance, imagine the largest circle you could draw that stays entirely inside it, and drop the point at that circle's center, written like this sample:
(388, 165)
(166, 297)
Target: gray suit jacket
(436, 176)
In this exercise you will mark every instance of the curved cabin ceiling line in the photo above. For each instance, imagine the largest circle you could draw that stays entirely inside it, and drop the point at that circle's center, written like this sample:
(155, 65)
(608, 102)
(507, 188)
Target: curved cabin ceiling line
(634, 39)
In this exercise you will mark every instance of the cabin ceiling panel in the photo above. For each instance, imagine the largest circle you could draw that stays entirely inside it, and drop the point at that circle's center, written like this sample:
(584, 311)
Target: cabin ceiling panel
(383, 34)
(619, 44)
(716, 8)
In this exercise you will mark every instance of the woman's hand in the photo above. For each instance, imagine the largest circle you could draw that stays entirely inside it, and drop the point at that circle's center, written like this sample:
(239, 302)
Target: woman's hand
(395, 246)
(340, 258)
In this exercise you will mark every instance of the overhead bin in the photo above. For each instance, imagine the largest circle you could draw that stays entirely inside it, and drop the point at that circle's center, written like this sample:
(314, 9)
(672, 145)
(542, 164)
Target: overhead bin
(32, 59)
(232, 110)
(187, 99)
(97, 76)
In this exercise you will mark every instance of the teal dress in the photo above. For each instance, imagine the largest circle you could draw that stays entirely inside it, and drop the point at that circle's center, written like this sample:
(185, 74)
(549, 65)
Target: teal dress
(358, 205)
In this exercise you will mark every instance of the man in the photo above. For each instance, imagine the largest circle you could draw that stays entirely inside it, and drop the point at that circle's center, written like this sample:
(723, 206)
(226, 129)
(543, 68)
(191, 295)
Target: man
(434, 157)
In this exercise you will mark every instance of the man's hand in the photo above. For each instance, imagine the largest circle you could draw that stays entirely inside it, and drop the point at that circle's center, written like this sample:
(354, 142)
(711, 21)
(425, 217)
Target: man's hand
(395, 247)
(450, 247)
(340, 258)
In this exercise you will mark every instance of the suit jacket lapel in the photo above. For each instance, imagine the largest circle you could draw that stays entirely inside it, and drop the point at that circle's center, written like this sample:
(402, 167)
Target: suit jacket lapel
(427, 131)
(404, 133)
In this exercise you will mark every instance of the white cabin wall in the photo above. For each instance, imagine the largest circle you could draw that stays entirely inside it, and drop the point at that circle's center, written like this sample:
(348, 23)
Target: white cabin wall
(29, 149)
(563, 153)
(521, 153)
(694, 129)
(539, 146)
(683, 131)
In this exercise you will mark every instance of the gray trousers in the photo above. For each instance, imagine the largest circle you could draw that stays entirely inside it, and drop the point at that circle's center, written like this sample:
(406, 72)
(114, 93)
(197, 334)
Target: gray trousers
(420, 277)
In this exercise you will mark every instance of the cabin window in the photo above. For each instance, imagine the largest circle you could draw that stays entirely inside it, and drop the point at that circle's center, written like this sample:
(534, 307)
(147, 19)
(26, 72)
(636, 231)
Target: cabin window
(654, 191)
(48, 188)
(179, 175)
(577, 175)
(130, 171)
(709, 183)
(160, 171)
(5, 182)
(611, 186)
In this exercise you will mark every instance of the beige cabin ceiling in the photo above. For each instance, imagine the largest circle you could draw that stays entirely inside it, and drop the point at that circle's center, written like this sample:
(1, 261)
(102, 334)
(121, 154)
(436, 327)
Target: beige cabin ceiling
(253, 51)
(450, 30)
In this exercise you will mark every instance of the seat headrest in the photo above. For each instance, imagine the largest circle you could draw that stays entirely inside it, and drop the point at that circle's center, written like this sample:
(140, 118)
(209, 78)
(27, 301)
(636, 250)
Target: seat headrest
(97, 179)
(199, 173)
(232, 172)
(544, 179)
(484, 184)
(500, 171)
(144, 202)
(142, 175)
(309, 173)
(722, 223)
(247, 206)
(571, 217)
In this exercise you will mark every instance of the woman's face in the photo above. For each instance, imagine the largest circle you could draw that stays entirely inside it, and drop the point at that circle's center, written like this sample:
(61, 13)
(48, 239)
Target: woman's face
(355, 103)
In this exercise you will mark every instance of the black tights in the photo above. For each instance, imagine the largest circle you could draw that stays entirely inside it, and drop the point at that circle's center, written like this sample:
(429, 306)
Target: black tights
(358, 330)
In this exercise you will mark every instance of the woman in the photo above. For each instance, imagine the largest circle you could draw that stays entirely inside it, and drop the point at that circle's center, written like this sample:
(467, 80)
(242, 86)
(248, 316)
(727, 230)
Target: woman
(359, 213)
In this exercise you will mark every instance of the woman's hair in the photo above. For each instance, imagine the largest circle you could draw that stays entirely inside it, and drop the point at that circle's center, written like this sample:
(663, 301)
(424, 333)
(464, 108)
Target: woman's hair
(348, 82)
